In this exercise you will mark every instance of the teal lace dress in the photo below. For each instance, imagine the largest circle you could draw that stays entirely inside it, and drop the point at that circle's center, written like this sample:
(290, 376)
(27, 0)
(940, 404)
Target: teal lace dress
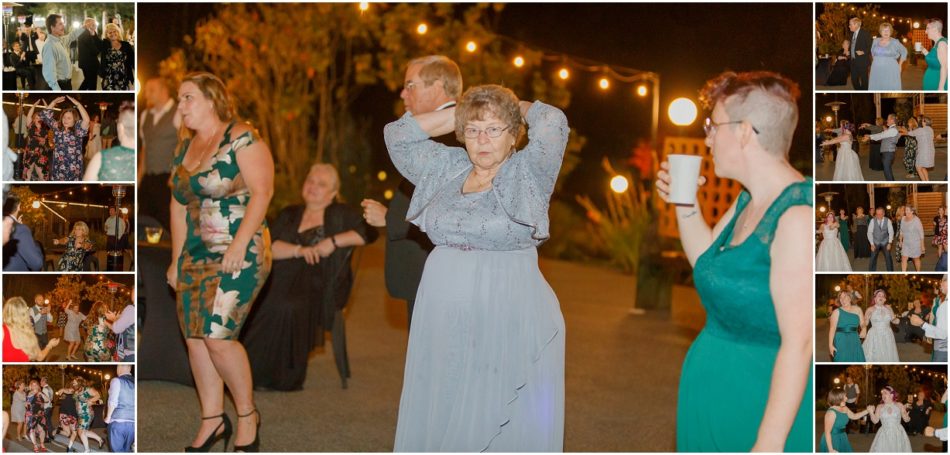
(727, 373)
(847, 343)
(118, 165)
(839, 439)
(932, 75)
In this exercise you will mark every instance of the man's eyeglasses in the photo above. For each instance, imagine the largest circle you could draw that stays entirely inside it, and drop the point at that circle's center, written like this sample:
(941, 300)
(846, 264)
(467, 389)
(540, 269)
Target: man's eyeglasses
(492, 132)
(709, 127)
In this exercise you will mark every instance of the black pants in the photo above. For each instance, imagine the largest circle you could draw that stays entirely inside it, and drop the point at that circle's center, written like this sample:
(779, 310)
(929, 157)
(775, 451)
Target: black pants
(878, 249)
(859, 73)
(42, 339)
(90, 78)
(65, 84)
(887, 158)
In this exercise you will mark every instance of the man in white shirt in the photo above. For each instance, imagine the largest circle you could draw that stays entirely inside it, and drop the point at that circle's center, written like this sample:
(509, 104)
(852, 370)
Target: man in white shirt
(880, 236)
(115, 227)
(937, 327)
(888, 138)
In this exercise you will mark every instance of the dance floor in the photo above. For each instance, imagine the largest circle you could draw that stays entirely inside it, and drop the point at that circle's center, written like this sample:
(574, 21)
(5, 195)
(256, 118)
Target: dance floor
(622, 373)
(826, 170)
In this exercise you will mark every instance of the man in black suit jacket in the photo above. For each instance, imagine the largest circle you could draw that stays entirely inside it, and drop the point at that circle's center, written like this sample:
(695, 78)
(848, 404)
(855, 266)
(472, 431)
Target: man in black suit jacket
(860, 54)
(21, 253)
(89, 55)
(432, 83)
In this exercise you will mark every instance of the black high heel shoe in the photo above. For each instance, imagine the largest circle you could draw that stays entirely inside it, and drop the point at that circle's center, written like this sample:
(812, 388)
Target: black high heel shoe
(256, 445)
(215, 436)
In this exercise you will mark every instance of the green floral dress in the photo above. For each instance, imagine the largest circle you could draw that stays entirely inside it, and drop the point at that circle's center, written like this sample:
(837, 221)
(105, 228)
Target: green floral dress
(98, 345)
(212, 304)
(84, 409)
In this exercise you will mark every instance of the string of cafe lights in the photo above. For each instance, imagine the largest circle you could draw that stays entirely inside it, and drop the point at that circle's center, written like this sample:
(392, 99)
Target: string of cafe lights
(564, 63)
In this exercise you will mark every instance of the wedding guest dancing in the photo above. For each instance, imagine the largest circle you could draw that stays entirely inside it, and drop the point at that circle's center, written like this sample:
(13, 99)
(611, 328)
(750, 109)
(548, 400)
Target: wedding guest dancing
(891, 436)
(473, 383)
(911, 238)
(831, 255)
(860, 54)
(846, 327)
(758, 347)
(835, 436)
(222, 182)
(78, 246)
(937, 327)
(924, 138)
(879, 344)
(847, 164)
(888, 139)
(20, 343)
(888, 56)
(36, 156)
(68, 135)
(880, 236)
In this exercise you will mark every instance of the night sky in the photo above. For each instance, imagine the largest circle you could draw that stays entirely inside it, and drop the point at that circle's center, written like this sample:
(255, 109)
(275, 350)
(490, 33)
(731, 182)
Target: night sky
(686, 44)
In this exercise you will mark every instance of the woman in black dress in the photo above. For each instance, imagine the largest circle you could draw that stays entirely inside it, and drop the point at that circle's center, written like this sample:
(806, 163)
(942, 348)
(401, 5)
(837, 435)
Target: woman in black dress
(919, 413)
(311, 281)
(842, 66)
(862, 248)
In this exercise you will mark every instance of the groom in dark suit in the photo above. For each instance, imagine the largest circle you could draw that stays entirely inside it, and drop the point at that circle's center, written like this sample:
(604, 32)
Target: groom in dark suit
(860, 54)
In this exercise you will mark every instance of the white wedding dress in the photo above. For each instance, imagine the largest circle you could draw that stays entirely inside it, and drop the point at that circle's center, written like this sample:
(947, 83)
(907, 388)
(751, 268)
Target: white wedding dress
(891, 437)
(879, 346)
(831, 255)
(847, 165)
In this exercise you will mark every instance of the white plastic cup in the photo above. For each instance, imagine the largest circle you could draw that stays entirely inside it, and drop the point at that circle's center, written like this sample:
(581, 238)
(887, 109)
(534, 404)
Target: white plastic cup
(684, 173)
(918, 46)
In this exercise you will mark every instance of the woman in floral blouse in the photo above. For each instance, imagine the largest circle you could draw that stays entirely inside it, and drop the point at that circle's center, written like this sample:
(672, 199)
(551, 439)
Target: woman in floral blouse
(36, 155)
(77, 246)
(68, 134)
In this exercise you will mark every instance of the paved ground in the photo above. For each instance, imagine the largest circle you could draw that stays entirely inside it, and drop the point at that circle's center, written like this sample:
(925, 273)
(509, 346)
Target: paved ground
(862, 442)
(826, 170)
(59, 443)
(907, 352)
(912, 78)
(927, 263)
(621, 379)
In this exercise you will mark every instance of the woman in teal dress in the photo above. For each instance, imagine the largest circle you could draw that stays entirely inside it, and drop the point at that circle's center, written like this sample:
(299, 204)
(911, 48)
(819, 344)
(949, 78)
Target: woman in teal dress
(846, 326)
(757, 342)
(836, 419)
(222, 182)
(844, 232)
(935, 78)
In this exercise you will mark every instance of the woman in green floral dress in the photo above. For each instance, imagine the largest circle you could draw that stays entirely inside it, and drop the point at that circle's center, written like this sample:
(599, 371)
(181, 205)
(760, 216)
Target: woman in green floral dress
(222, 183)
(98, 345)
(85, 397)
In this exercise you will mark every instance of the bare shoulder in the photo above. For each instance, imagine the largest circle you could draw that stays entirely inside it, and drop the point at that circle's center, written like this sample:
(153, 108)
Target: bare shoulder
(240, 128)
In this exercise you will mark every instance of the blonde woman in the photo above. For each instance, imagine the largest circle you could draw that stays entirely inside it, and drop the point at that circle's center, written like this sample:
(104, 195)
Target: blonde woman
(77, 246)
(19, 340)
(911, 238)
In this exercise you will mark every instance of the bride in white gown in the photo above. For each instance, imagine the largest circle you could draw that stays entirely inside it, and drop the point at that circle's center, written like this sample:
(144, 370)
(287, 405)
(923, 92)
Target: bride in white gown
(831, 255)
(847, 164)
(891, 437)
(879, 345)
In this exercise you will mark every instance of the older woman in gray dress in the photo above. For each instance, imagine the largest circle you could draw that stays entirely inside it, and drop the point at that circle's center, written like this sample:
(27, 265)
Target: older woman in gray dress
(889, 54)
(911, 238)
(485, 364)
(925, 146)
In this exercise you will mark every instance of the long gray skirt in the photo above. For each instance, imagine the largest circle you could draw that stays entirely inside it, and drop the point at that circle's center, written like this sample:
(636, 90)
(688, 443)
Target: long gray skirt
(485, 365)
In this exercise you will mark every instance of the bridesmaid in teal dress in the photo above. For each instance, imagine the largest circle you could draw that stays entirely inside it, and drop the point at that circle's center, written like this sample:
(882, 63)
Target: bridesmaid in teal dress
(935, 78)
(846, 324)
(836, 419)
(757, 342)
(844, 232)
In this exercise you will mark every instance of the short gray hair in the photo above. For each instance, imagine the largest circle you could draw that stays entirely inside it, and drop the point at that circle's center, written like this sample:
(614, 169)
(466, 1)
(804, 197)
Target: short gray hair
(330, 169)
(440, 68)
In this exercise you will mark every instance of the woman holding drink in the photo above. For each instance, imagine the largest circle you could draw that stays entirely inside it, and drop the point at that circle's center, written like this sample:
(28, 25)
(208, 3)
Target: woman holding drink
(758, 347)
